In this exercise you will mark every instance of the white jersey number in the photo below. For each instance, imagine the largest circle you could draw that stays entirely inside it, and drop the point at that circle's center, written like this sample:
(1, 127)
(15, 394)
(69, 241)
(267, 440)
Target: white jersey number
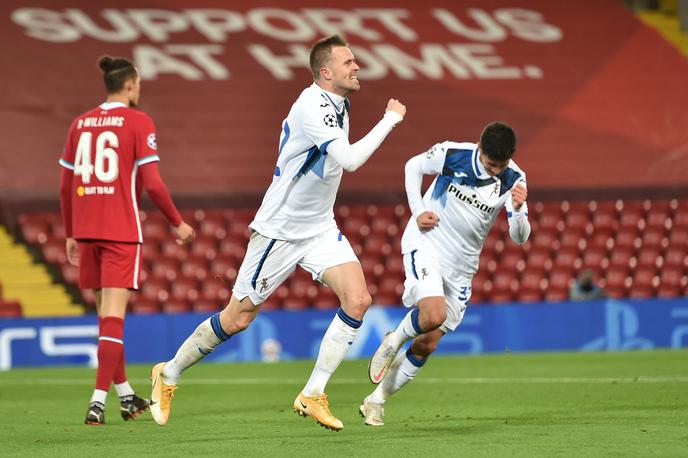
(105, 143)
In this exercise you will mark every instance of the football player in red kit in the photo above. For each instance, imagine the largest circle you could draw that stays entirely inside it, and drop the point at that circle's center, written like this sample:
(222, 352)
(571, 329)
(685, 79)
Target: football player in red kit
(110, 157)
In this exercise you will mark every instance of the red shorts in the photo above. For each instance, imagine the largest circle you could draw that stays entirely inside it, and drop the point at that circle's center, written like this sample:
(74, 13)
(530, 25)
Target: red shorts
(109, 265)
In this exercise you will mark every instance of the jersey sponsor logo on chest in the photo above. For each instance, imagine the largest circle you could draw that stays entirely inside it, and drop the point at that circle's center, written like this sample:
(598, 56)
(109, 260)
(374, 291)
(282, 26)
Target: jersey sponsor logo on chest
(94, 190)
(470, 198)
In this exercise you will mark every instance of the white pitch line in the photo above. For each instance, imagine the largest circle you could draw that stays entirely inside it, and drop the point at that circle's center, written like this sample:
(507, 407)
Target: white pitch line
(356, 381)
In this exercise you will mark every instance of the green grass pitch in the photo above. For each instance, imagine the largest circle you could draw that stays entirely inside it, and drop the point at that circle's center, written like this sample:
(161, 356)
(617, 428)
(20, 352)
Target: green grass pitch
(548, 404)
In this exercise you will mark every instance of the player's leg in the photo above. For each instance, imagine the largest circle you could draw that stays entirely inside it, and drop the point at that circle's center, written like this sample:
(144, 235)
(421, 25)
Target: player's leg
(457, 290)
(405, 367)
(130, 405)
(424, 287)
(267, 264)
(332, 261)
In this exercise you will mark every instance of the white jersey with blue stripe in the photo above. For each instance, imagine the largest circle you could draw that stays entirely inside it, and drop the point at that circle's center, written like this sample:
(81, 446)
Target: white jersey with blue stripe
(299, 202)
(467, 200)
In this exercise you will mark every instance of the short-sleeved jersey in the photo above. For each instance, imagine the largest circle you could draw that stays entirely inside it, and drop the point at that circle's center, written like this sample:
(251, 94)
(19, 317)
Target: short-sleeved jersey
(104, 149)
(466, 199)
(299, 202)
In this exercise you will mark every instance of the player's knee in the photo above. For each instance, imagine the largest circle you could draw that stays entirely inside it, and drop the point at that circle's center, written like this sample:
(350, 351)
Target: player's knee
(432, 316)
(436, 317)
(357, 304)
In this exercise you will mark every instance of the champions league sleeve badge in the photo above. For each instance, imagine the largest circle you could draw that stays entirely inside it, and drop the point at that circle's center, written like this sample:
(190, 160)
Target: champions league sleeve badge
(330, 120)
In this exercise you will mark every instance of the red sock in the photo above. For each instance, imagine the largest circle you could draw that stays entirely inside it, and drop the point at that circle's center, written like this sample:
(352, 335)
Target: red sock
(110, 348)
(120, 372)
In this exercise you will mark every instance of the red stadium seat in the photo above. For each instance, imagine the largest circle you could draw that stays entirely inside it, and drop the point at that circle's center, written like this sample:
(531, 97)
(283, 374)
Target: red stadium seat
(155, 289)
(143, 306)
(155, 229)
(195, 267)
(234, 247)
(654, 236)
(539, 259)
(616, 278)
(603, 220)
(391, 284)
(567, 258)
(184, 288)
(10, 309)
(650, 256)
(170, 249)
(501, 296)
(206, 306)
(595, 258)
(678, 238)
(70, 273)
(672, 276)
(213, 226)
(512, 260)
(560, 279)
(627, 238)
(659, 217)
(545, 239)
(641, 292)
(34, 229)
(681, 219)
(204, 246)
(676, 257)
(216, 290)
(296, 303)
(578, 219)
(54, 251)
(386, 299)
(166, 268)
(572, 238)
(556, 294)
(622, 258)
(530, 296)
(533, 280)
(176, 306)
(668, 291)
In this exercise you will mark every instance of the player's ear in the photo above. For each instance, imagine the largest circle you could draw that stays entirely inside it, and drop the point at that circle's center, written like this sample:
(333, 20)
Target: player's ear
(325, 73)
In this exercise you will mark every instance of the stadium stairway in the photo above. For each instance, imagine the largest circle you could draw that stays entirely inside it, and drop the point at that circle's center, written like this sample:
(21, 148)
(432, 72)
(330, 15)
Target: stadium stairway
(30, 283)
(666, 22)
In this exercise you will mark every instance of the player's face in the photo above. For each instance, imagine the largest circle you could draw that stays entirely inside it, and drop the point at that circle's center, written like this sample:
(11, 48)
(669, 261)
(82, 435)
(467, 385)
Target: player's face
(134, 91)
(492, 166)
(344, 71)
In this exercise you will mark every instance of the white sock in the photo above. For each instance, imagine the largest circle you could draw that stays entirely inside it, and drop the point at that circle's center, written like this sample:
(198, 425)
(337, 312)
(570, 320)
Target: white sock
(403, 370)
(200, 343)
(335, 343)
(99, 396)
(124, 389)
(408, 329)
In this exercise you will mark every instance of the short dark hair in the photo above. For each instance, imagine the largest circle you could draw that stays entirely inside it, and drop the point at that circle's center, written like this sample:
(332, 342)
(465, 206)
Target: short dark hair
(321, 51)
(116, 72)
(498, 141)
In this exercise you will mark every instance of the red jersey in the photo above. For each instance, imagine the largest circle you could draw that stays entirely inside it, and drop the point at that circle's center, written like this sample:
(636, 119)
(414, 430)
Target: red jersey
(104, 149)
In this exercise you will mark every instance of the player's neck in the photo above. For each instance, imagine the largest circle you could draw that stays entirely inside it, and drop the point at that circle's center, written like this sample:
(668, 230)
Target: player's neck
(325, 86)
(121, 98)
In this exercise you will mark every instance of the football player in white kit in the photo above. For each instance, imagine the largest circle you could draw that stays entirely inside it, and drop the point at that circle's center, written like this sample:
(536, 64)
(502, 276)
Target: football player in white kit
(441, 246)
(295, 225)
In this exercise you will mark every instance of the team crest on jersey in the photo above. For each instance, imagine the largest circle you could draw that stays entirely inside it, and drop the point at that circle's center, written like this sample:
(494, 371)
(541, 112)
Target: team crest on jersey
(330, 120)
(495, 188)
(152, 142)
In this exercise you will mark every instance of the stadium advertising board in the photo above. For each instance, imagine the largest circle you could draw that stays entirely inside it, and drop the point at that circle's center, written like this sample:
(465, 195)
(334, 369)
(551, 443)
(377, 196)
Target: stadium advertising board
(610, 325)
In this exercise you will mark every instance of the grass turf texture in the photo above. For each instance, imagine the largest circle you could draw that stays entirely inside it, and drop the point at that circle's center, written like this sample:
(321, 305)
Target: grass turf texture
(552, 404)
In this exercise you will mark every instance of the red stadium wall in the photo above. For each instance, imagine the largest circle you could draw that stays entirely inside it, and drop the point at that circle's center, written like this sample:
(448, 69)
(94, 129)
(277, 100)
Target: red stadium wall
(598, 99)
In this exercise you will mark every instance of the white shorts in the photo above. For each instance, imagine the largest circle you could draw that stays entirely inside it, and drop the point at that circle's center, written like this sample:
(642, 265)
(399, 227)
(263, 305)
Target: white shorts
(426, 277)
(269, 262)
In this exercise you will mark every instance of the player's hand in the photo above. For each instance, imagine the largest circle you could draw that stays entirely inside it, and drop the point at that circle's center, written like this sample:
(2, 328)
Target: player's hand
(72, 250)
(396, 106)
(519, 193)
(185, 233)
(427, 221)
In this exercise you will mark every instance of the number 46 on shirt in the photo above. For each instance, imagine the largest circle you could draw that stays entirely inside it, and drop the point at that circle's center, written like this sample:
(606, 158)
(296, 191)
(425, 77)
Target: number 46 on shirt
(104, 146)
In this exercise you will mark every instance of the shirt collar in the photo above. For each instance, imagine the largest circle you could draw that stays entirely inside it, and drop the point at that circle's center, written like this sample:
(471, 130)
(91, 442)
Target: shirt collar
(112, 105)
(478, 168)
(337, 100)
